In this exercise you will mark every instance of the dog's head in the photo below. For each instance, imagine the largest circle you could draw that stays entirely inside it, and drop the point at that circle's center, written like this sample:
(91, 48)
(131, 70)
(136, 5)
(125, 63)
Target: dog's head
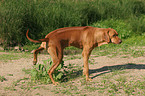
(111, 36)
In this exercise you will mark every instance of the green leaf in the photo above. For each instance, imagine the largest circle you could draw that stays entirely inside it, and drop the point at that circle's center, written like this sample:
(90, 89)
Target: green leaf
(59, 67)
(48, 67)
(39, 66)
(59, 76)
(42, 67)
(44, 73)
(51, 63)
(62, 63)
(48, 80)
(45, 61)
(53, 75)
(49, 60)
(65, 66)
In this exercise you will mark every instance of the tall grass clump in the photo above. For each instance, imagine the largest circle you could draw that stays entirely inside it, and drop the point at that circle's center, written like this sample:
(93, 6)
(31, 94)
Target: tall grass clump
(11, 21)
(138, 25)
(43, 16)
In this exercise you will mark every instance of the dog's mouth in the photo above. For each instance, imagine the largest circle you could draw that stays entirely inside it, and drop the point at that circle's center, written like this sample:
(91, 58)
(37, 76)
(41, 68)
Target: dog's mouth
(116, 41)
(119, 42)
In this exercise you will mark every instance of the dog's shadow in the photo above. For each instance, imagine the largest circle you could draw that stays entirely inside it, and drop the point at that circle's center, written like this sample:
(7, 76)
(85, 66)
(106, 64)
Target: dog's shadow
(103, 70)
(108, 69)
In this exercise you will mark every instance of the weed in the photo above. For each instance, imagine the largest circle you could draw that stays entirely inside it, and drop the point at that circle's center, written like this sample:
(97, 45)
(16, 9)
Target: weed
(2, 78)
(10, 88)
(9, 74)
(16, 82)
(37, 94)
(91, 61)
(124, 56)
(39, 72)
(37, 87)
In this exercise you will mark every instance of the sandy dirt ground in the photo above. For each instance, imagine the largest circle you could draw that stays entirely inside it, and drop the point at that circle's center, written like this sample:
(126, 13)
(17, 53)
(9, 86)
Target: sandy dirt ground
(12, 71)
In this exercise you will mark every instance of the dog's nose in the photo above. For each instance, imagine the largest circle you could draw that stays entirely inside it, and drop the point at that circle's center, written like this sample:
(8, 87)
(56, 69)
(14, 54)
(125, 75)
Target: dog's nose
(120, 41)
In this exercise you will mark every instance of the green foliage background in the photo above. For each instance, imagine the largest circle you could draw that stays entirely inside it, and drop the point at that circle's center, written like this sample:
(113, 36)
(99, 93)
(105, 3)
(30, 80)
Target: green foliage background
(43, 16)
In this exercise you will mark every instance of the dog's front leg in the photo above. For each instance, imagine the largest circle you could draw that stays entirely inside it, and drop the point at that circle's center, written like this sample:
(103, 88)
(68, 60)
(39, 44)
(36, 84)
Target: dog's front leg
(86, 53)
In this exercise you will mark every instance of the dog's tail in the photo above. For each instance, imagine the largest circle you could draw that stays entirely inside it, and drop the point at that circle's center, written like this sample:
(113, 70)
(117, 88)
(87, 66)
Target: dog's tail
(36, 41)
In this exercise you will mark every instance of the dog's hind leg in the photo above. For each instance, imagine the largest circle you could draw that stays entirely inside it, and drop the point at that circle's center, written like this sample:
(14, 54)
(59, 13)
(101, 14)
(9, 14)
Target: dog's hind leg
(35, 54)
(56, 55)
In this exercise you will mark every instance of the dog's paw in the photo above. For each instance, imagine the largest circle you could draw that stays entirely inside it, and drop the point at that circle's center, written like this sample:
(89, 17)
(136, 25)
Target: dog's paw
(84, 73)
(88, 79)
(56, 83)
(34, 62)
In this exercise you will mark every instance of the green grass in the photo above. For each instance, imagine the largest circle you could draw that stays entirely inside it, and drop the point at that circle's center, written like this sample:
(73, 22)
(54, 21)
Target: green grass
(8, 57)
(14, 56)
(121, 84)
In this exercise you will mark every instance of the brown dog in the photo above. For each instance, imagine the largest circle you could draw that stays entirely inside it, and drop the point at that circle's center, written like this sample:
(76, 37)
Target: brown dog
(85, 38)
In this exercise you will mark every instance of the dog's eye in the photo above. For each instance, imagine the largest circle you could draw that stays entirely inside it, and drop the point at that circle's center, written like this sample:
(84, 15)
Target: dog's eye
(114, 35)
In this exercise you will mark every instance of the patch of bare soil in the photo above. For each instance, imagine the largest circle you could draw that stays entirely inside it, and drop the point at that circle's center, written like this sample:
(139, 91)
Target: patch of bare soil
(12, 71)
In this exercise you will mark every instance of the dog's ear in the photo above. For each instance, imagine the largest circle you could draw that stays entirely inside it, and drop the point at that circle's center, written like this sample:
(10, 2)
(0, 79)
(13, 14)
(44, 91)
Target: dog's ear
(106, 35)
(103, 36)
